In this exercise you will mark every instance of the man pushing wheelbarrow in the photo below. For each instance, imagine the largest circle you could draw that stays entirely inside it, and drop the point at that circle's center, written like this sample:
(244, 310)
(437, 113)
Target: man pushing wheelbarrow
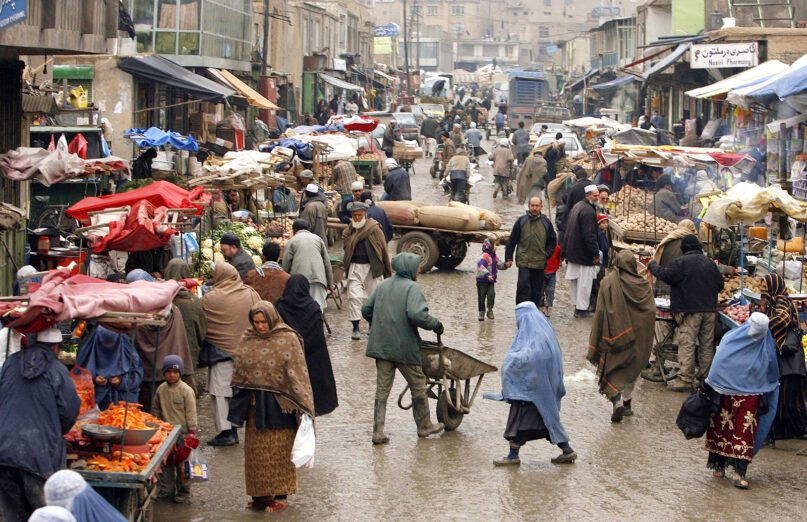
(395, 311)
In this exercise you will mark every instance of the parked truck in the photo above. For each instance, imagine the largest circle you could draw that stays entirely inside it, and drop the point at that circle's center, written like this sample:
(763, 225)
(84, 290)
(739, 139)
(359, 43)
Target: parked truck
(527, 89)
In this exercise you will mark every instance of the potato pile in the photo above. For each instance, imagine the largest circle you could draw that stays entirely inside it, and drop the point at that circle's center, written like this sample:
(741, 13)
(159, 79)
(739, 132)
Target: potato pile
(732, 285)
(367, 156)
(629, 212)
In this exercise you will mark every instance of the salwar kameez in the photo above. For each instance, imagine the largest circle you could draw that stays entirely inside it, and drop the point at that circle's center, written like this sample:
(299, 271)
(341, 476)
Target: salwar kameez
(732, 432)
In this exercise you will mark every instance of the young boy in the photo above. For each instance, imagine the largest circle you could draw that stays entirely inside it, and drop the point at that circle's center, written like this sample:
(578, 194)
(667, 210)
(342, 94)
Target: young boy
(175, 403)
(487, 269)
(550, 279)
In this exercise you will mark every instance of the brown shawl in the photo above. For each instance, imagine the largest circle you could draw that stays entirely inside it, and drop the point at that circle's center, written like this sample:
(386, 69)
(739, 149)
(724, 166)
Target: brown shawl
(372, 232)
(622, 334)
(275, 362)
(685, 227)
(227, 307)
(172, 341)
(530, 175)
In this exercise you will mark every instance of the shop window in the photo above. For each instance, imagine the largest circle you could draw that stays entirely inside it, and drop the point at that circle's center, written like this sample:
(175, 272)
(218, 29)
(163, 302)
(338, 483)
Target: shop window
(167, 14)
(432, 10)
(165, 43)
(543, 32)
(189, 43)
(189, 16)
(143, 15)
(144, 43)
(548, 3)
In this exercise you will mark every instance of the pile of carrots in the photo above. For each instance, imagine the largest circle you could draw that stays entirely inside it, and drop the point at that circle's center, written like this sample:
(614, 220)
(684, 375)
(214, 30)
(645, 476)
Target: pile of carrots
(120, 462)
(114, 415)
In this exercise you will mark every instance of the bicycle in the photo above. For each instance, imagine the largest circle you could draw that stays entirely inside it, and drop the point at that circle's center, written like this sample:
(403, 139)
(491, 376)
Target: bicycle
(664, 368)
(53, 216)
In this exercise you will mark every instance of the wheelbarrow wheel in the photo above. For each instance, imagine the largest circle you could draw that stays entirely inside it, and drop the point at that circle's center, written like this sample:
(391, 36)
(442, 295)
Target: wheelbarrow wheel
(450, 417)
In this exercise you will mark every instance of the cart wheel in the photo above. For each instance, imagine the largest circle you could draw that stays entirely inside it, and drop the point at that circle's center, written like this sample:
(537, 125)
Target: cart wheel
(451, 254)
(450, 417)
(668, 355)
(423, 245)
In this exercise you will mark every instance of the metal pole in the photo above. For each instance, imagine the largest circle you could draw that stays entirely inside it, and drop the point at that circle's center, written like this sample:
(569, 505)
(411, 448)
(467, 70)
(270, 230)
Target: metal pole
(265, 37)
(417, 14)
(406, 51)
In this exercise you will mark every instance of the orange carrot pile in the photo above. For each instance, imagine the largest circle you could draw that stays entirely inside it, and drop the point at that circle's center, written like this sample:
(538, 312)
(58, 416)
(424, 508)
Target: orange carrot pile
(127, 463)
(114, 415)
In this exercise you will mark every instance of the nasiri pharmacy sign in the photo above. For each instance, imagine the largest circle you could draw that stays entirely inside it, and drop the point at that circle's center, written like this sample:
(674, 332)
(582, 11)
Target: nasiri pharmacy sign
(12, 12)
(718, 56)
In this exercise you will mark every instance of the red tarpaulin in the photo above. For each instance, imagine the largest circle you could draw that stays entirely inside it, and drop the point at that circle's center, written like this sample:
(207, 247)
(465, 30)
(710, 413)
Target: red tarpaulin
(159, 194)
(139, 231)
(355, 123)
(63, 296)
(727, 159)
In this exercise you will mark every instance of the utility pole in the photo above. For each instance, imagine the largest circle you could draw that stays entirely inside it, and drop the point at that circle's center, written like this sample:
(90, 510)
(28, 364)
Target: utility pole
(406, 51)
(265, 37)
(417, 35)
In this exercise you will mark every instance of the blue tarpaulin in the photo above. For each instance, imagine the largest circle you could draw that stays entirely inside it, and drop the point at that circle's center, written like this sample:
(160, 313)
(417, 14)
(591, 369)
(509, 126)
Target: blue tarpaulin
(303, 150)
(622, 81)
(154, 137)
(794, 80)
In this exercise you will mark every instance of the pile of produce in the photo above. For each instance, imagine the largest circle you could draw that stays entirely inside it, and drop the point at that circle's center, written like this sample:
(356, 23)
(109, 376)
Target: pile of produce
(739, 313)
(367, 156)
(731, 286)
(251, 241)
(630, 214)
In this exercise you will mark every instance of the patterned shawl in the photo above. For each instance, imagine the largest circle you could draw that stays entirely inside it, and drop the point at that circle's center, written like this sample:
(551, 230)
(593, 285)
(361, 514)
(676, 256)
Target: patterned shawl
(274, 361)
(779, 309)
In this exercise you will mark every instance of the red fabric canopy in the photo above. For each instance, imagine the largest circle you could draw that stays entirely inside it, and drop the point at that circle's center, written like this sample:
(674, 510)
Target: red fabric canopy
(159, 194)
(728, 159)
(139, 231)
(355, 123)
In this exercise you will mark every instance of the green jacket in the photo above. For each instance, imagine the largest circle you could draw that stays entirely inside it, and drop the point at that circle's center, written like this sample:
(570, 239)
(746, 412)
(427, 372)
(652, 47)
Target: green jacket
(395, 311)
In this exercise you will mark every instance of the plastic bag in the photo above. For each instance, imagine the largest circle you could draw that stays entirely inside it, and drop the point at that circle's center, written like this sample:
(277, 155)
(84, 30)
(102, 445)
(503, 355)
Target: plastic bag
(196, 467)
(85, 387)
(302, 452)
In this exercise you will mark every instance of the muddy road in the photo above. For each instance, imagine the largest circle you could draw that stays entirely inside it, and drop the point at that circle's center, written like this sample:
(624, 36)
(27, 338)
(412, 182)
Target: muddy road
(641, 469)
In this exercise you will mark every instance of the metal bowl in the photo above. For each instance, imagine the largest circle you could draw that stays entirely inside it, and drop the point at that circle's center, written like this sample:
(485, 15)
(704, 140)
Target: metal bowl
(113, 434)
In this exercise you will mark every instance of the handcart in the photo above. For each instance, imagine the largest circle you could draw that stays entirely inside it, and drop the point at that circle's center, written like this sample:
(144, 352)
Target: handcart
(335, 291)
(664, 368)
(445, 369)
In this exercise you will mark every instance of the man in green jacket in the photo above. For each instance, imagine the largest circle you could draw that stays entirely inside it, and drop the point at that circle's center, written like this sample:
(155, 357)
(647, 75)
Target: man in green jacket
(395, 311)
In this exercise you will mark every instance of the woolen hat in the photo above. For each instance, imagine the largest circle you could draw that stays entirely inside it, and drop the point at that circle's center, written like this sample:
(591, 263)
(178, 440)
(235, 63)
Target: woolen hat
(230, 239)
(307, 174)
(51, 336)
(689, 243)
(356, 185)
(603, 188)
(62, 487)
(312, 188)
(390, 163)
(356, 206)
(173, 362)
(601, 218)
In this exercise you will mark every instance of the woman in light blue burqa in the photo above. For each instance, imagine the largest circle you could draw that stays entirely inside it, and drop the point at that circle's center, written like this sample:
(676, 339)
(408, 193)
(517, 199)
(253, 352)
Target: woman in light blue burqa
(532, 382)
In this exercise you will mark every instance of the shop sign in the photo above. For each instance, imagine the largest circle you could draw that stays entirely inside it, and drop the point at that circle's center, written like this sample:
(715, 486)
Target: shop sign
(386, 30)
(339, 64)
(382, 45)
(717, 56)
(12, 12)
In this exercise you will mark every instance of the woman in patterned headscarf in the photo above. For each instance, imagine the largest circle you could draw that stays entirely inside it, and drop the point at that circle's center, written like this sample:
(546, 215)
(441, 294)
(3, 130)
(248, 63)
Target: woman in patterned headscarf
(791, 416)
(271, 389)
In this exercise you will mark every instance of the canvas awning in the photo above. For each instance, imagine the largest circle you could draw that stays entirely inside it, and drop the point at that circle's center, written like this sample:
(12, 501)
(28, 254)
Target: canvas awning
(614, 84)
(162, 70)
(336, 82)
(744, 95)
(666, 61)
(385, 76)
(254, 98)
(579, 83)
(758, 73)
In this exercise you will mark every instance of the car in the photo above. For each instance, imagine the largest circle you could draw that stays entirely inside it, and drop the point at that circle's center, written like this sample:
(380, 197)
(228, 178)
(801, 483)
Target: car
(553, 113)
(536, 130)
(435, 110)
(573, 145)
(407, 122)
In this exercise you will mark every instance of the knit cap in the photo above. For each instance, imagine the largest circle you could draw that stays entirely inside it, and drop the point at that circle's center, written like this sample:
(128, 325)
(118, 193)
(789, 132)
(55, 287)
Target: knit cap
(173, 362)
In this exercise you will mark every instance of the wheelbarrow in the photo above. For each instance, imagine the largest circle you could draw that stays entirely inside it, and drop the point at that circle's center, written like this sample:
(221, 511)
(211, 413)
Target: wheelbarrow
(446, 369)
(335, 291)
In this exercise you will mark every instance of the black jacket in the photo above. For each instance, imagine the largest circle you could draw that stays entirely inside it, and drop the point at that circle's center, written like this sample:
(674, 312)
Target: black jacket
(397, 185)
(379, 215)
(695, 282)
(576, 192)
(580, 244)
(515, 236)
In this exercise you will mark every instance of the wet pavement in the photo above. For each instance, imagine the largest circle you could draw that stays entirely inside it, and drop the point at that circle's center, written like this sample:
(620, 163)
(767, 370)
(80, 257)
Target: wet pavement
(641, 469)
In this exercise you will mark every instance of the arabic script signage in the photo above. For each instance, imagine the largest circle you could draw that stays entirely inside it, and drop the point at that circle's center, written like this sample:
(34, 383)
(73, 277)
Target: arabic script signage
(716, 56)
(12, 12)
(386, 30)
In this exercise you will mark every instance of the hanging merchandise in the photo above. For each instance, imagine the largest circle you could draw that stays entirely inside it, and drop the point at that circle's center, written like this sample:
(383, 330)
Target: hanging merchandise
(78, 145)
(61, 145)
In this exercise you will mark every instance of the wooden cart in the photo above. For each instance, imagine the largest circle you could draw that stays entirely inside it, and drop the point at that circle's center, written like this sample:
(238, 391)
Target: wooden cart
(133, 494)
(444, 249)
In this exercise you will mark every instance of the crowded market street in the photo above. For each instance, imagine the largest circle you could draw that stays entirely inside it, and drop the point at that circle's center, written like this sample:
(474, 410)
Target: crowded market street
(640, 469)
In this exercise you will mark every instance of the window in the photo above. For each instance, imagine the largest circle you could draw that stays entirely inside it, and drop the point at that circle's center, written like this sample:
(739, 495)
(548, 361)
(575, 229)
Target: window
(543, 32)
(431, 10)
(548, 3)
(457, 10)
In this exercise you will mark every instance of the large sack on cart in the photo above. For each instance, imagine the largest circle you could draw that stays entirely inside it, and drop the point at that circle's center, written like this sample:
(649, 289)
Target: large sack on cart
(403, 213)
(488, 220)
(448, 218)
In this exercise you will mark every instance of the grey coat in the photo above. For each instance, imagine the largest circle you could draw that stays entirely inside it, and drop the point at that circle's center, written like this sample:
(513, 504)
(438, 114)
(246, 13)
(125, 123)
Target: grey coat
(306, 254)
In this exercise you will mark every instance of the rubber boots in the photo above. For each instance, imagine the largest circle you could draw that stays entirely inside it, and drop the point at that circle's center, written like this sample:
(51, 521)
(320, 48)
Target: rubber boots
(378, 422)
(420, 410)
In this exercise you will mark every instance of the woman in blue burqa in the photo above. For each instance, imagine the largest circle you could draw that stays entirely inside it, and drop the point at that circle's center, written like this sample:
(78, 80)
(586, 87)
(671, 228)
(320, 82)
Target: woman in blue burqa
(532, 382)
(115, 366)
(745, 374)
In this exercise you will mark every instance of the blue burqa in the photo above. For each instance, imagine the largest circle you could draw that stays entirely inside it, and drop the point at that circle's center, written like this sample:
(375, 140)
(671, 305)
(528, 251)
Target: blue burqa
(111, 354)
(745, 365)
(533, 369)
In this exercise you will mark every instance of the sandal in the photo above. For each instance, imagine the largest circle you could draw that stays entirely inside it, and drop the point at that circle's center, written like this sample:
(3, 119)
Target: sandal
(259, 504)
(276, 506)
(740, 482)
(719, 473)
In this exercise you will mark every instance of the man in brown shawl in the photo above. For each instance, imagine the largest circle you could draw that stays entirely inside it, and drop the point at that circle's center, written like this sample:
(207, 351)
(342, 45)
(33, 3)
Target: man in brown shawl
(227, 308)
(622, 334)
(531, 177)
(269, 279)
(272, 390)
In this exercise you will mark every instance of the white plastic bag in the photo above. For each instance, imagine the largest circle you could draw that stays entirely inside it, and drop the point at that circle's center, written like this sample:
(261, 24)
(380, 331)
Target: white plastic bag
(302, 452)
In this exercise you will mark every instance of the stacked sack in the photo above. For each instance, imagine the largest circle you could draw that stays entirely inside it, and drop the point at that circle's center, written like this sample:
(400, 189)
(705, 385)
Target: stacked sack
(456, 216)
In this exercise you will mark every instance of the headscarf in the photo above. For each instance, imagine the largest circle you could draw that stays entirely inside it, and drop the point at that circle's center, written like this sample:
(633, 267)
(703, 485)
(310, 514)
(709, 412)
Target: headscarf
(299, 310)
(685, 227)
(138, 274)
(227, 307)
(780, 310)
(177, 269)
(110, 354)
(533, 368)
(69, 490)
(274, 362)
(52, 514)
(173, 340)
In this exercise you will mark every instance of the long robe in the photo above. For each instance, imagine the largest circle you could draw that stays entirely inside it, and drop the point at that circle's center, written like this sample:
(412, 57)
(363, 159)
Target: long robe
(622, 334)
